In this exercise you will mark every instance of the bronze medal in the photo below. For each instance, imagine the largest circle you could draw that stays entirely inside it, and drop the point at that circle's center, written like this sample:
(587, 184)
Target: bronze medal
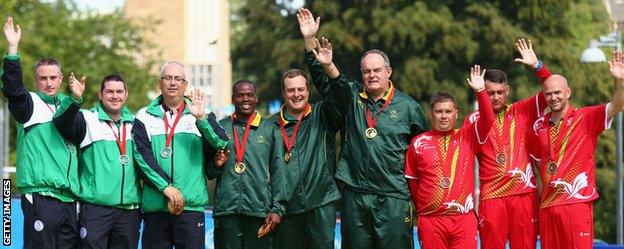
(370, 132)
(444, 182)
(552, 168)
(287, 156)
(239, 168)
(501, 158)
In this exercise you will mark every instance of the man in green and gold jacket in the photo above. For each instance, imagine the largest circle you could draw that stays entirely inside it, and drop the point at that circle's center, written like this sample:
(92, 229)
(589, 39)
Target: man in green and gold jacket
(380, 121)
(308, 137)
(251, 191)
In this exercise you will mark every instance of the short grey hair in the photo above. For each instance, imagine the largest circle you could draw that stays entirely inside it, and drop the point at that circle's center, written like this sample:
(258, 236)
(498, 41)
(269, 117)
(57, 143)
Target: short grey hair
(379, 52)
(167, 63)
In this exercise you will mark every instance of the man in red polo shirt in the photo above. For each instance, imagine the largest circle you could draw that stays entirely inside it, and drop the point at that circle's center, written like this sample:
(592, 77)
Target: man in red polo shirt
(440, 169)
(508, 190)
(564, 144)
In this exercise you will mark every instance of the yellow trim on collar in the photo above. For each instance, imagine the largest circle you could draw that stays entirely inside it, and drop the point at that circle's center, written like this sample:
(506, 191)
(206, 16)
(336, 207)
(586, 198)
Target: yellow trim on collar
(364, 95)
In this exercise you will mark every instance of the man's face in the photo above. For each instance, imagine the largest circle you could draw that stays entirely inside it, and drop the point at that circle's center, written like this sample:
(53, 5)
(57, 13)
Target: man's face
(497, 92)
(375, 74)
(244, 99)
(557, 93)
(48, 79)
(172, 82)
(113, 96)
(443, 116)
(295, 93)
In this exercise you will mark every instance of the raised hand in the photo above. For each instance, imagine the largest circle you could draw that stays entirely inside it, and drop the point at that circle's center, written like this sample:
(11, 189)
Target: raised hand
(307, 24)
(308, 27)
(526, 52)
(476, 81)
(12, 35)
(616, 66)
(221, 157)
(77, 87)
(323, 52)
(198, 104)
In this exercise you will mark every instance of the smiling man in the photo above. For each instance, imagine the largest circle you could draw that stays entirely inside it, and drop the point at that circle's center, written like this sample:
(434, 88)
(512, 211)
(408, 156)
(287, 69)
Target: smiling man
(173, 136)
(308, 137)
(110, 192)
(47, 172)
(251, 190)
(440, 169)
(379, 122)
(564, 144)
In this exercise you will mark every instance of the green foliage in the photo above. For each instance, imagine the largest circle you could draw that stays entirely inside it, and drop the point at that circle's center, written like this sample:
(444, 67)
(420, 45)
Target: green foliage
(432, 44)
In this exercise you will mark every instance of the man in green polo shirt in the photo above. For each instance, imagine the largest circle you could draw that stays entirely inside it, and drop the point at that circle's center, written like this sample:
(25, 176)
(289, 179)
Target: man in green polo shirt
(380, 121)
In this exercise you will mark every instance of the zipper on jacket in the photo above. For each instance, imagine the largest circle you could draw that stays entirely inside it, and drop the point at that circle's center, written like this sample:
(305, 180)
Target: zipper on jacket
(123, 170)
(172, 152)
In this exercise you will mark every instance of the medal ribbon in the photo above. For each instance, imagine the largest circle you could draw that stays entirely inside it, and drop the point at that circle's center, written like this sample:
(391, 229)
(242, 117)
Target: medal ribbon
(289, 144)
(370, 120)
(240, 148)
(120, 143)
(554, 133)
(175, 123)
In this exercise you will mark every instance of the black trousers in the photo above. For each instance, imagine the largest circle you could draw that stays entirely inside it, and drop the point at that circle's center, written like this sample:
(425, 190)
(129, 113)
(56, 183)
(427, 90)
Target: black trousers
(108, 227)
(163, 230)
(49, 223)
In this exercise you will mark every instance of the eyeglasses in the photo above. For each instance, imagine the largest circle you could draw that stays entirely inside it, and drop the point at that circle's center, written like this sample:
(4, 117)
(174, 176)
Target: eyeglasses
(177, 79)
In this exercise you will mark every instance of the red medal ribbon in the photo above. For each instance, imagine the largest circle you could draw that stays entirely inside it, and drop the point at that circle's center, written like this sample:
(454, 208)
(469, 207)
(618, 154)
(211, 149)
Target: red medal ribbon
(175, 123)
(120, 143)
(370, 120)
(289, 144)
(240, 148)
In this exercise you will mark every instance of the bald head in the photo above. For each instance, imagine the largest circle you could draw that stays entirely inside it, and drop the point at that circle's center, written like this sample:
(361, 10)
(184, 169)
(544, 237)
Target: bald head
(557, 93)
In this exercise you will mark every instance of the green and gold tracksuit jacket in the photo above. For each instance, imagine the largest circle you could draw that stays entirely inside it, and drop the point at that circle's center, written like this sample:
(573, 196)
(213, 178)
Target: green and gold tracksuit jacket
(311, 167)
(376, 165)
(104, 180)
(261, 187)
(186, 168)
(46, 163)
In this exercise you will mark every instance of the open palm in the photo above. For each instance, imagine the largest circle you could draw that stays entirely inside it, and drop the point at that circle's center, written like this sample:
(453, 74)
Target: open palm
(616, 65)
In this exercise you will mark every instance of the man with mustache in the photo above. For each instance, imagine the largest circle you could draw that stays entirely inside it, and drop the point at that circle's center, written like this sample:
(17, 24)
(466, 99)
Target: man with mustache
(110, 193)
(251, 189)
(564, 143)
(508, 189)
(440, 169)
(47, 172)
(172, 137)
(379, 123)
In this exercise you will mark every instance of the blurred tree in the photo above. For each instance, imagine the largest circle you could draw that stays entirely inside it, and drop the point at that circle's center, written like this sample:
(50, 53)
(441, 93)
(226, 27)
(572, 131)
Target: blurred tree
(432, 44)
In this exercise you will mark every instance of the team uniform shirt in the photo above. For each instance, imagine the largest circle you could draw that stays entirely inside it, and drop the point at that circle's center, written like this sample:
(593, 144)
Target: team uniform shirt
(442, 165)
(185, 166)
(46, 163)
(504, 161)
(106, 177)
(565, 152)
(260, 186)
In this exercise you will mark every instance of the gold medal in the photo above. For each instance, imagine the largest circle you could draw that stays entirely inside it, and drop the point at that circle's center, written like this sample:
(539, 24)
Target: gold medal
(239, 168)
(370, 132)
(552, 168)
(166, 152)
(501, 158)
(444, 182)
(287, 156)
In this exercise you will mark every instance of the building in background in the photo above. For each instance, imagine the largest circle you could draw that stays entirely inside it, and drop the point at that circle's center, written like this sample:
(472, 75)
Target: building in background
(196, 33)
